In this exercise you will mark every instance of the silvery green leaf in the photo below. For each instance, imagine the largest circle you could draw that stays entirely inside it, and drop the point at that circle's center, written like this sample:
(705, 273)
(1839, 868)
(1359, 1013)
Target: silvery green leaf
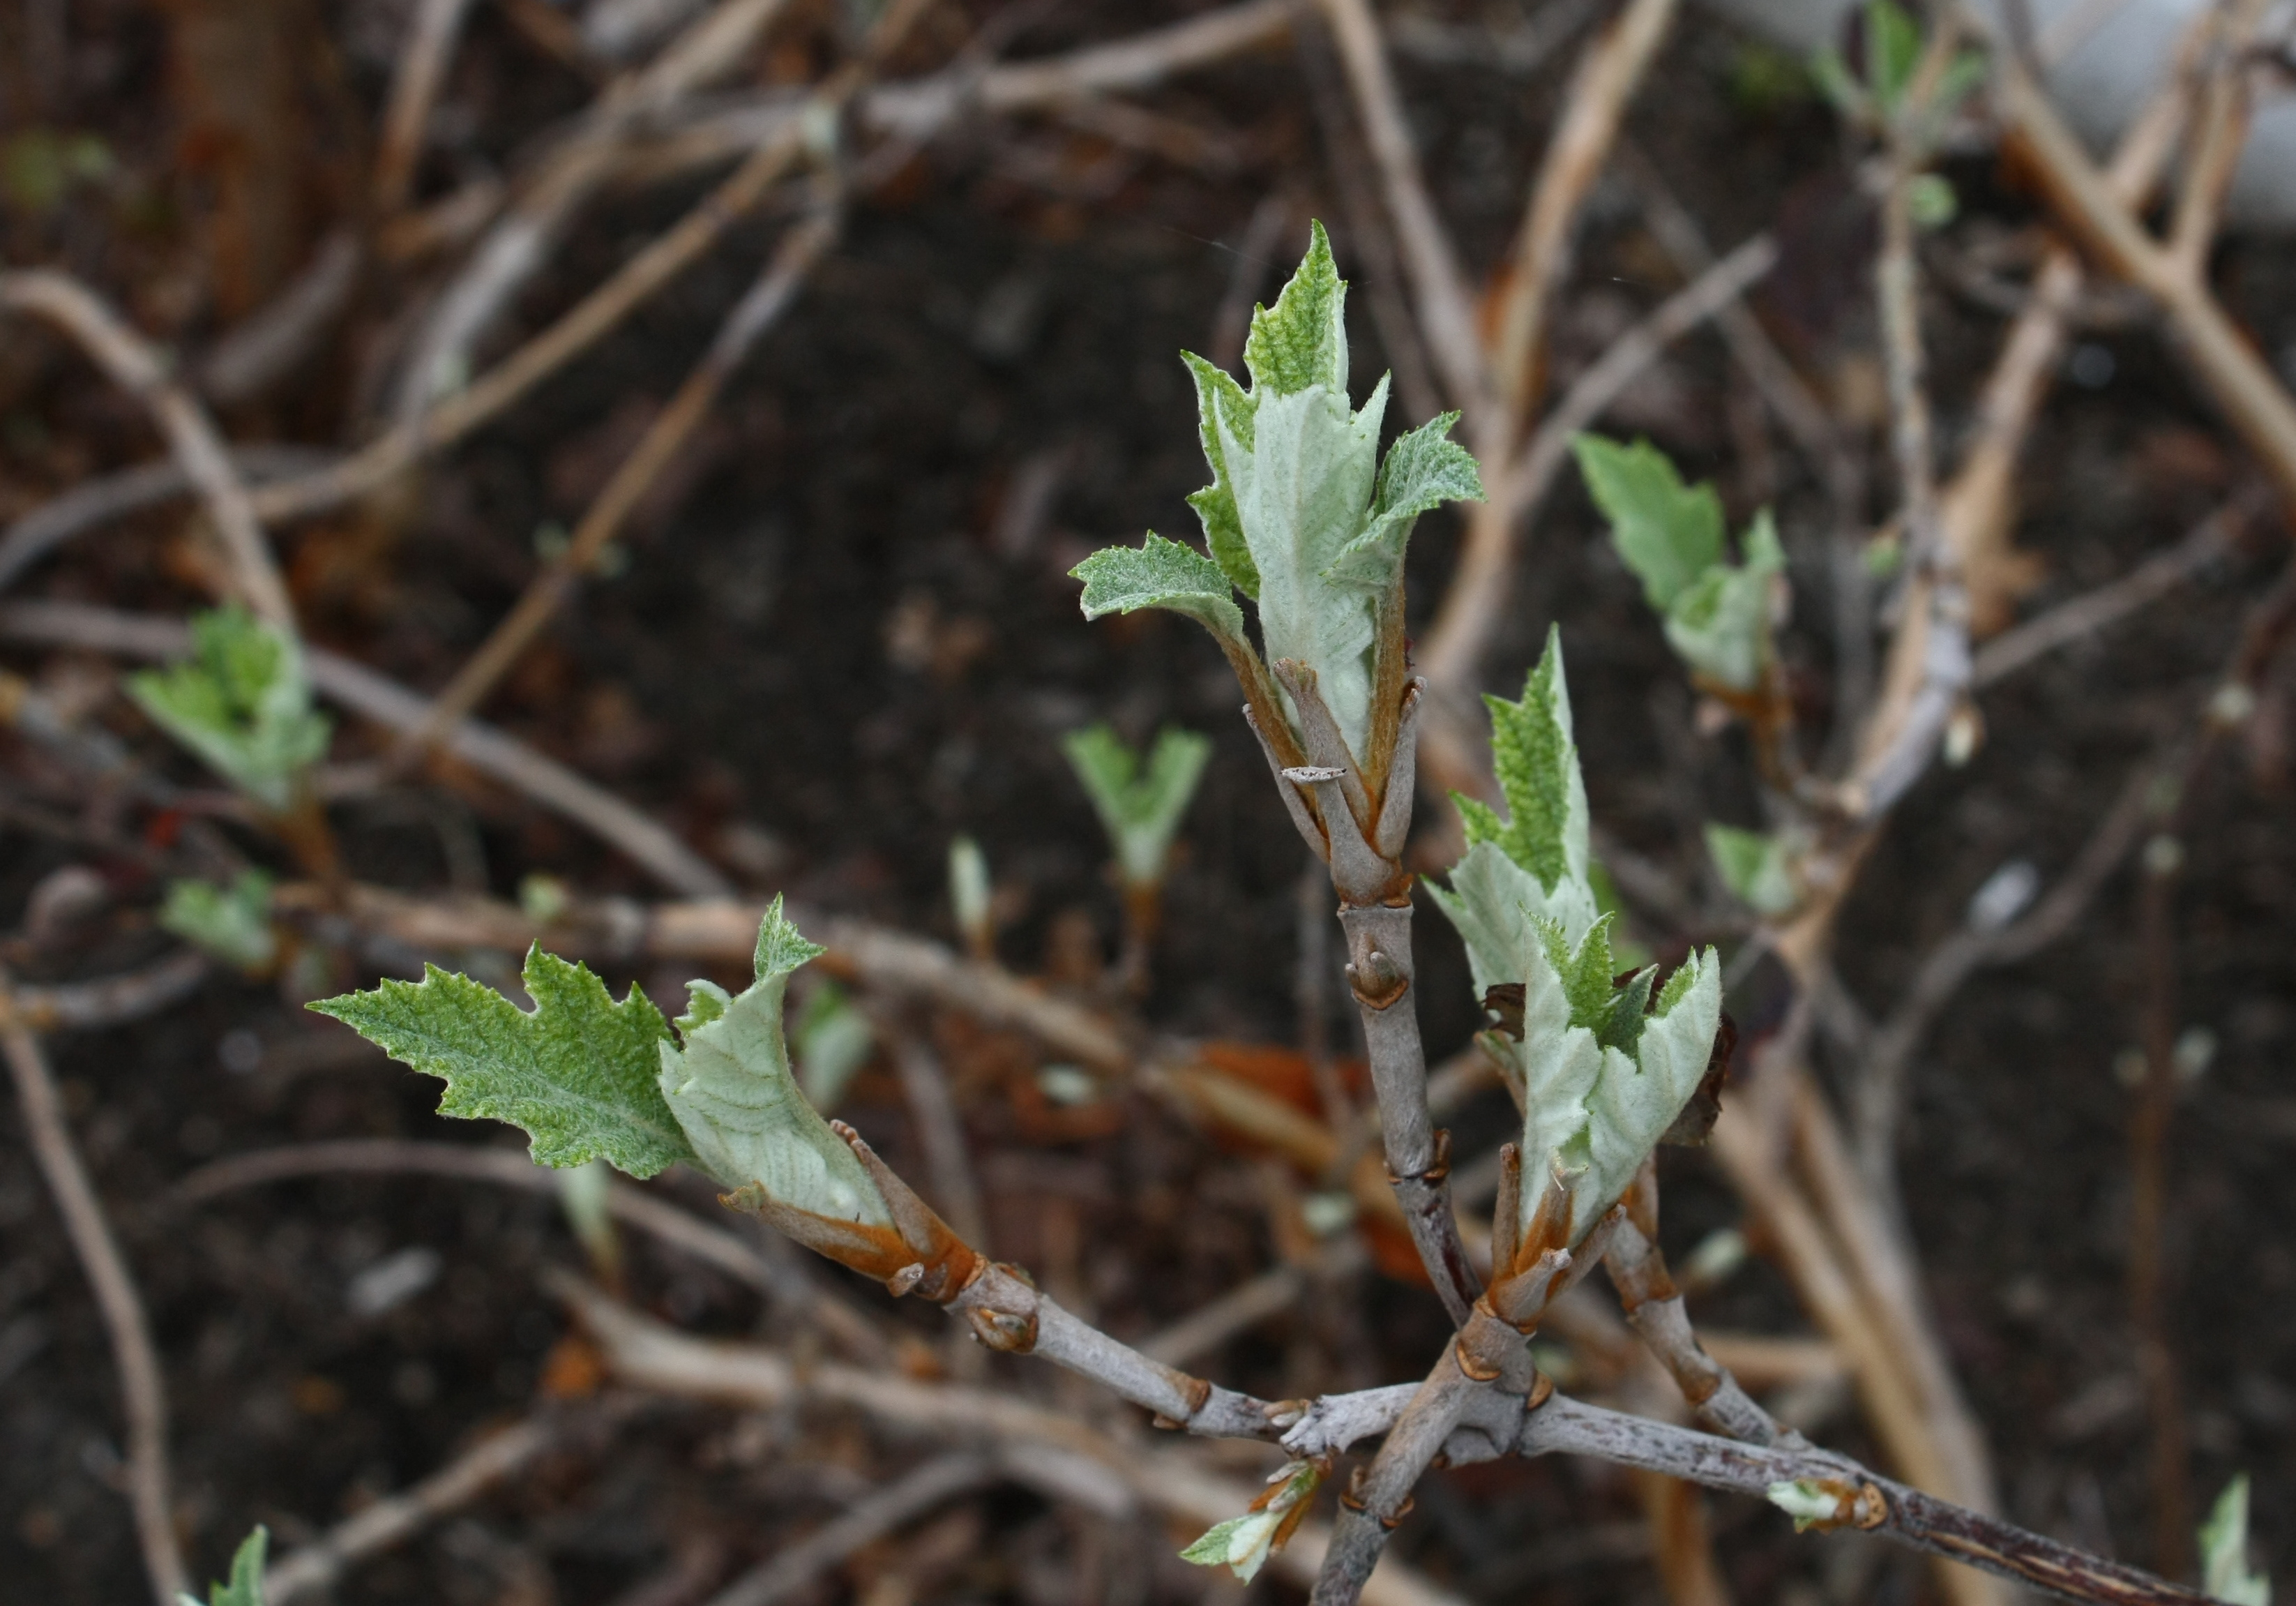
(232, 924)
(579, 1073)
(1140, 807)
(1720, 624)
(969, 891)
(1302, 493)
(1561, 1064)
(1637, 1099)
(1423, 470)
(1302, 341)
(2224, 1572)
(1493, 901)
(1668, 533)
(1244, 1544)
(1161, 575)
(241, 703)
(1756, 867)
(1220, 400)
(730, 1087)
(246, 1585)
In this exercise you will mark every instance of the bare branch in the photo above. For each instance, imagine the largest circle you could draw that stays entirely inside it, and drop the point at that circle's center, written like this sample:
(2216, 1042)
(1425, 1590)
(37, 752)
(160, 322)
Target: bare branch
(137, 368)
(142, 1384)
(415, 84)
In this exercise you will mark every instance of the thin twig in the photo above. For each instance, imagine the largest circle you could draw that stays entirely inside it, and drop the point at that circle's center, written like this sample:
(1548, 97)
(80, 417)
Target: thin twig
(756, 312)
(940, 1132)
(863, 1523)
(790, 1290)
(2076, 618)
(1594, 107)
(137, 368)
(1446, 304)
(143, 1386)
(360, 689)
(415, 85)
(112, 1000)
(395, 1519)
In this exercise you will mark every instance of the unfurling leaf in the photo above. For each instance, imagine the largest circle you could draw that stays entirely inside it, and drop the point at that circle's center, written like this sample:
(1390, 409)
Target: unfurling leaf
(1717, 614)
(241, 703)
(1606, 1069)
(1139, 805)
(1809, 1502)
(1668, 533)
(1534, 864)
(1299, 516)
(2225, 1571)
(579, 1073)
(731, 1088)
(245, 1587)
(969, 894)
(1759, 868)
(232, 924)
(1244, 1544)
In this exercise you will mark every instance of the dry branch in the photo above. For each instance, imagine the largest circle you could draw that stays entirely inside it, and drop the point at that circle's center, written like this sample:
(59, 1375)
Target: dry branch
(134, 365)
(142, 1384)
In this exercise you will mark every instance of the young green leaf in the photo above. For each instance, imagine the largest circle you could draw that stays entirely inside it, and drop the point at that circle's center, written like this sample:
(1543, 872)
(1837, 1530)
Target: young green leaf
(1220, 402)
(1303, 492)
(241, 703)
(2225, 1573)
(969, 894)
(1423, 470)
(1893, 49)
(232, 924)
(1809, 1502)
(1302, 341)
(1668, 533)
(731, 1089)
(246, 1585)
(1161, 575)
(1533, 865)
(1244, 1544)
(1759, 868)
(1721, 625)
(579, 1073)
(1140, 808)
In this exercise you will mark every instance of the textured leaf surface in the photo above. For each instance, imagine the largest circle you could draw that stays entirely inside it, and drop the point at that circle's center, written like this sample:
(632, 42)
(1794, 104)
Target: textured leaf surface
(1139, 806)
(232, 924)
(1423, 470)
(1221, 402)
(731, 1088)
(1303, 492)
(241, 703)
(245, 1587)
(580, 1073)
(1244, 1544)
(1302, 341)
(1537, 767)
(1668, 533)
(1161, 575)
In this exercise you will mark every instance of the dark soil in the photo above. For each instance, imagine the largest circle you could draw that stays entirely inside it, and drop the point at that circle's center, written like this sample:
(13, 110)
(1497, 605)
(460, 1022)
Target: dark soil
(836, 645)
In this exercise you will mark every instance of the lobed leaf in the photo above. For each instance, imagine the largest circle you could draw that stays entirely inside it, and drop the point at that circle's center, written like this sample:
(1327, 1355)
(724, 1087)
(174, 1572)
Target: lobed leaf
(1668, 533)
(579, 1073)
(1721, 625)
(1537, 767)
(242, 703)
(1140, 808)
(1161, 575)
